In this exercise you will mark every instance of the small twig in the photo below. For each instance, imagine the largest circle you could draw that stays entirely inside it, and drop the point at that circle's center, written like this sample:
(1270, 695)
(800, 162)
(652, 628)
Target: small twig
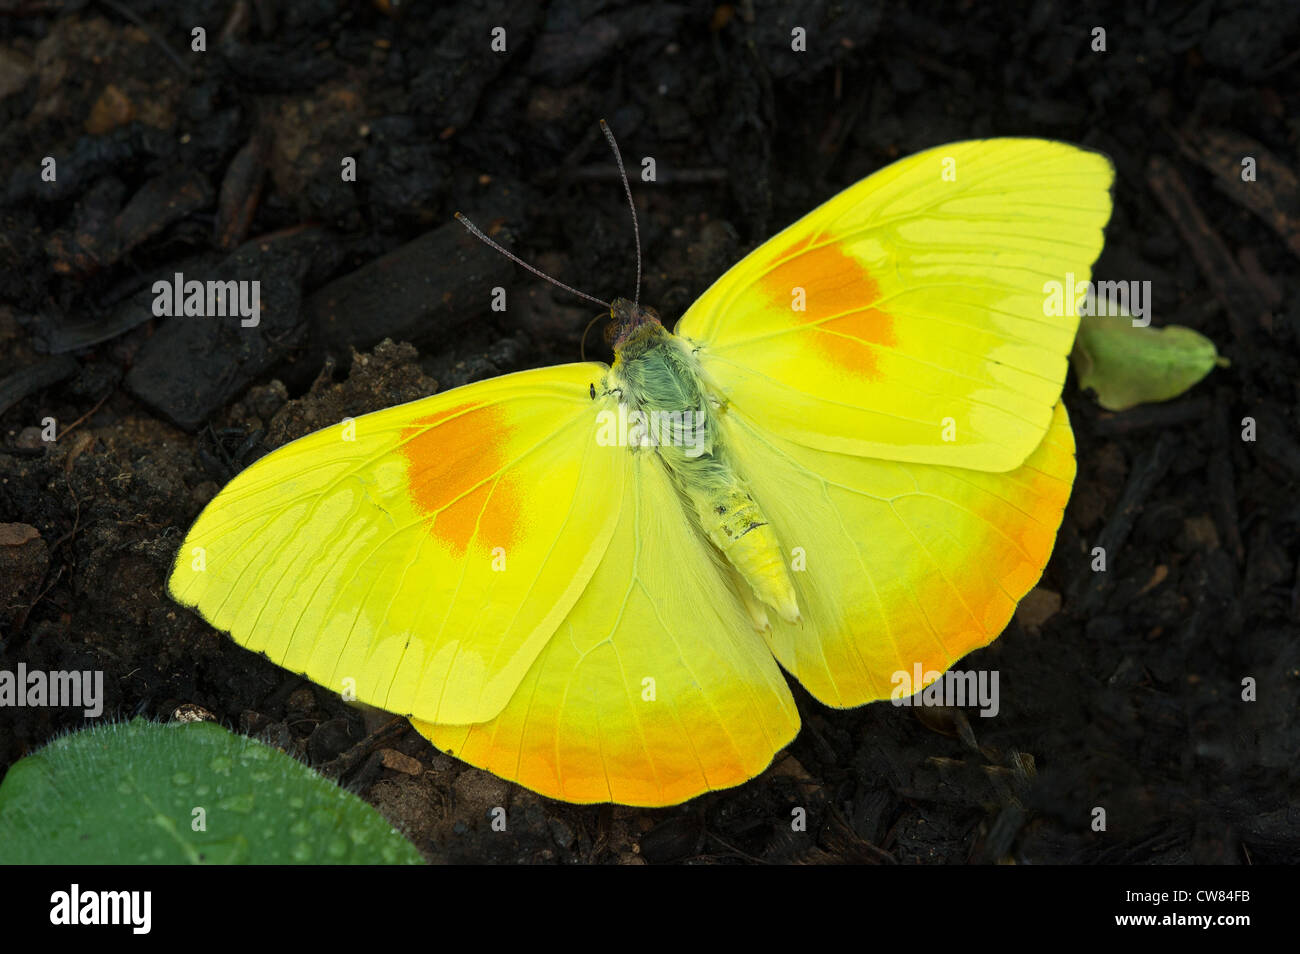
(1149, 469)
(68, 430)
(736, 851)
(1208, 249)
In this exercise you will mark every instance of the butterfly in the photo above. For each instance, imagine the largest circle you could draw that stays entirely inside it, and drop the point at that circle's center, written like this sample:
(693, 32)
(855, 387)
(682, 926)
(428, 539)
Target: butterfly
(848, 460)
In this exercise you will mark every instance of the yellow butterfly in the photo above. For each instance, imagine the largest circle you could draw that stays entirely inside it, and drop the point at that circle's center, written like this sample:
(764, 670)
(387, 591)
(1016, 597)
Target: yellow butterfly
(849, 458)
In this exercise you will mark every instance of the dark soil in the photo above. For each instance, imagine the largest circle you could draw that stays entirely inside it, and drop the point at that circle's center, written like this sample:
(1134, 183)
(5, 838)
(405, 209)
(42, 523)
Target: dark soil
(1121, 690)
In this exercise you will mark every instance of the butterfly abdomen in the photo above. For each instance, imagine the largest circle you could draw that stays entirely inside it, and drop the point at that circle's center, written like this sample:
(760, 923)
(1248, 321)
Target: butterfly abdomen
(738, 527)
(658, 377)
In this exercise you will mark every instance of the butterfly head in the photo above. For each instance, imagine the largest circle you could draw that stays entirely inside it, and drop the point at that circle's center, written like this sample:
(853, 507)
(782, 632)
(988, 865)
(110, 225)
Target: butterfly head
(631, 322)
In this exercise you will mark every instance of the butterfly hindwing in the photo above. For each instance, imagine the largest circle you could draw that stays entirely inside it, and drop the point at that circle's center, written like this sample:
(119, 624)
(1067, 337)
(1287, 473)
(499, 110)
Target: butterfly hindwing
(898, 565)
(906, 318)
(654, 689)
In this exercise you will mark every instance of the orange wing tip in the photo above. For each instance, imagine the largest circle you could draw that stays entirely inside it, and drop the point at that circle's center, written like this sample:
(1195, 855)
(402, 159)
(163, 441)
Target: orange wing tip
(590, 782)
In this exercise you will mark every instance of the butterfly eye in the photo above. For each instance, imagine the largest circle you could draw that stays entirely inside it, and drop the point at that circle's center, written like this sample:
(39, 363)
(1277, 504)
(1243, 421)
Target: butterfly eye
(592, 386)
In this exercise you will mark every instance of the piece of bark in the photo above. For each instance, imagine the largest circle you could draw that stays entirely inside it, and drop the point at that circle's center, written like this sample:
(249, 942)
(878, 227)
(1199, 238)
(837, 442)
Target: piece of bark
(1273, 195)
(1223, 482)
(29, 380)
(193, 366)
(241, 190)
(1146, 416)
(1092, 587)
(1238, 296)
(419, 293)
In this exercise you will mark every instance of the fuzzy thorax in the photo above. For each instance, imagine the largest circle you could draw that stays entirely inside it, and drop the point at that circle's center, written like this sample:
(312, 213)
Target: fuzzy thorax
(656, 374)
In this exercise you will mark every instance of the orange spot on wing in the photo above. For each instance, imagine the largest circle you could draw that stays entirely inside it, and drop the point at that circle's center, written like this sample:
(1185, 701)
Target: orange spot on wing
(840, 296)
(454, 457)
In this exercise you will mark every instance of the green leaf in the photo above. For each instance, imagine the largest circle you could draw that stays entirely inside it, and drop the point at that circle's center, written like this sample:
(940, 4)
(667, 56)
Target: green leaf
(134, 793)
(1127, 365)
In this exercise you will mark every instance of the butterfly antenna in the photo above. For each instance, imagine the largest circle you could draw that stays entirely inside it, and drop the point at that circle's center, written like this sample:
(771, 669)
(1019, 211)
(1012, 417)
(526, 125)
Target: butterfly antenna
(582, 345)
(636, 231)
(478, 233)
